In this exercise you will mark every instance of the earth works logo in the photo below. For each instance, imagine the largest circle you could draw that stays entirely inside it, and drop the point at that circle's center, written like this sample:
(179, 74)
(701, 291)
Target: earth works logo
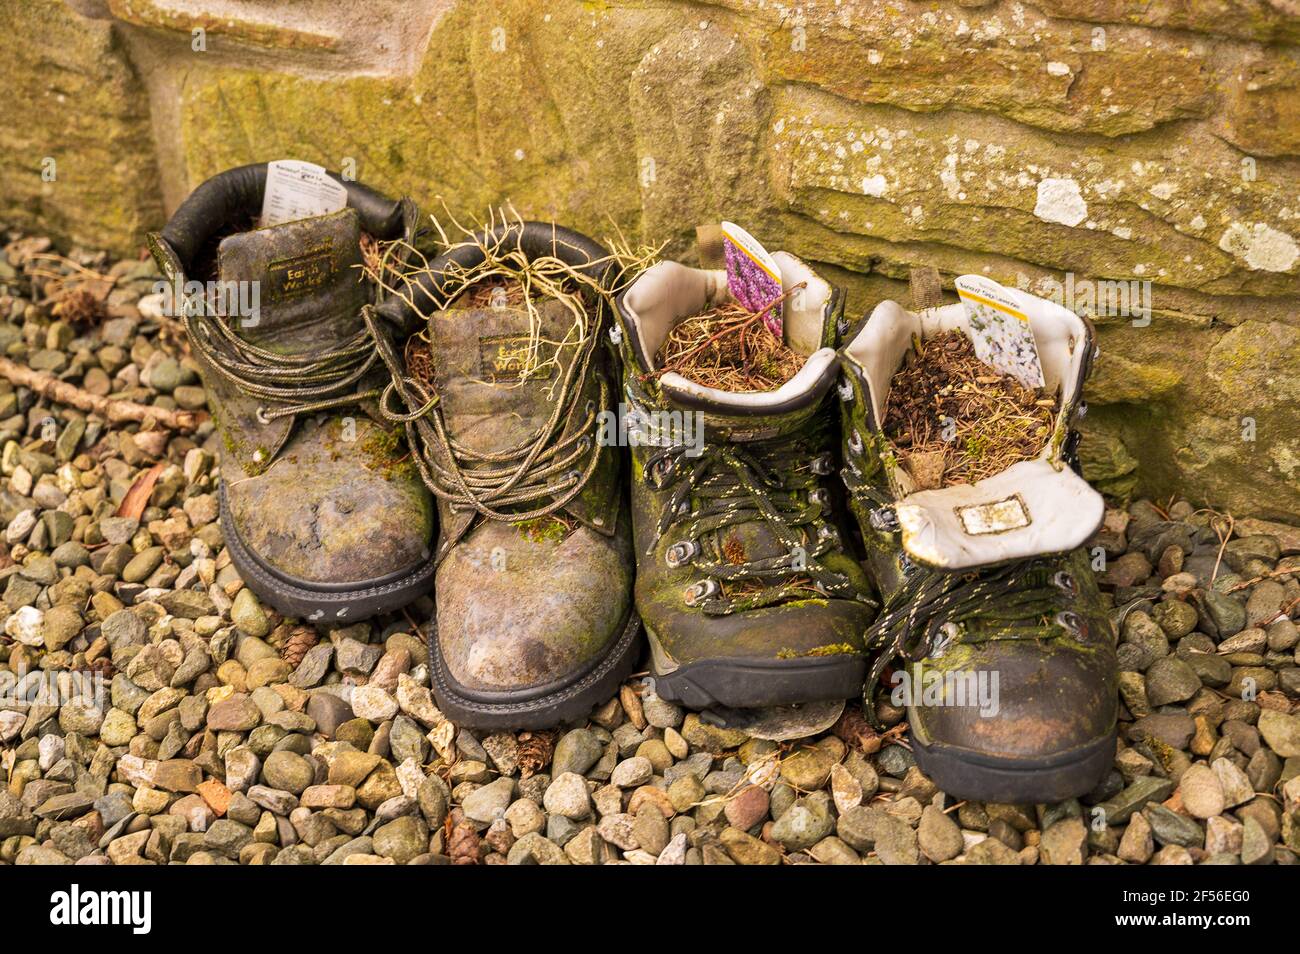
(92, 908)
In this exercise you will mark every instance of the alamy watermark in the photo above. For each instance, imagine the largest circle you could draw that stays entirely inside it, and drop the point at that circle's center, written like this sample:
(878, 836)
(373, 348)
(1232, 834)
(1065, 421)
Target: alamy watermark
(40, 687)
(630, 425)
(976, 689)
(241, 300)
(1102, 298)
(77, 907)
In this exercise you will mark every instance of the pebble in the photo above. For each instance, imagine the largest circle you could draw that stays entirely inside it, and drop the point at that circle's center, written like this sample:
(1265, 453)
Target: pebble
(373, 704)
(632, 772)
(1201, 792)
(567, 795)
(938, 836)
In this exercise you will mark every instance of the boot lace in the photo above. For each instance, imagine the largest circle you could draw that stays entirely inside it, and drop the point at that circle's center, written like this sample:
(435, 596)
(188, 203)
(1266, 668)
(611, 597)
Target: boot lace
(545, 466)
(729, 484)
(301, 383)
(933, 611)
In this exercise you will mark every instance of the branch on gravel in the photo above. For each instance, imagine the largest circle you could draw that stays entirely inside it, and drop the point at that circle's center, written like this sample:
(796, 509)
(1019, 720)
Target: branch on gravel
(112, 410)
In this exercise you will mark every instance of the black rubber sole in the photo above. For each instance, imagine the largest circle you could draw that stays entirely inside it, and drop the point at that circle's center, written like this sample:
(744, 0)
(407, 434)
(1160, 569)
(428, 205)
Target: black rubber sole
(732, 683)
(541, 707)
(318, 603)
(964, 774)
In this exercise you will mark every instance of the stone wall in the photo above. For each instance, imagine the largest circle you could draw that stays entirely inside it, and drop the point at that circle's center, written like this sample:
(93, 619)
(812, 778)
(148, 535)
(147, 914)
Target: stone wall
(1057, 145)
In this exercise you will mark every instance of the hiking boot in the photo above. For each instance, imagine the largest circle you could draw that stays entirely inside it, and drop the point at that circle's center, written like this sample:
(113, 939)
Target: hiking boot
(505, 394)
(748, 595)
(321, 516)
(1009, 655)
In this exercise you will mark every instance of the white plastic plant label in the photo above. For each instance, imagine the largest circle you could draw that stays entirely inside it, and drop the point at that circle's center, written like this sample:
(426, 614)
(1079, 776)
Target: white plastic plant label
(1000, 330)
(998, 516)
(299, 190)
(752, 275)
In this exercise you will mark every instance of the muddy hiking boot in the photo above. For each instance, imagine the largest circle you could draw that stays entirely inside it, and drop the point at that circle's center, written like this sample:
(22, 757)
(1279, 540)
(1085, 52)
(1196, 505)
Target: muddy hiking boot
(321, 516)
(748, 594)
(1007, 654)
(504, 380)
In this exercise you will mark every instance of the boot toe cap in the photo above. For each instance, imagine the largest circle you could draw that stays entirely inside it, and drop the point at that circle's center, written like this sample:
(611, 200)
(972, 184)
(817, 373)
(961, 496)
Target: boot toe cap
(517, 613)
(1026, 700)
(334, 513)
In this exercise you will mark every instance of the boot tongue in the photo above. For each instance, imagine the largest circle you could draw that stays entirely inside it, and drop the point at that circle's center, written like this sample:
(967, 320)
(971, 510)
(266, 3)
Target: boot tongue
(297, 286)
(479, 356)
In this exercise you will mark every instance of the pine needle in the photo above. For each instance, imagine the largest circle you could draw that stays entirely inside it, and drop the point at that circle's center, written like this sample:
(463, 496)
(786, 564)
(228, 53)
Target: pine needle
(730, 348)
(955, 420)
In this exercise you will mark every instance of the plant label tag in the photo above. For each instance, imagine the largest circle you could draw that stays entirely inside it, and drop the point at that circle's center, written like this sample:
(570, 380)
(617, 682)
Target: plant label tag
(1000, 330)
(299, 190)
(998, 516)
(752, 275)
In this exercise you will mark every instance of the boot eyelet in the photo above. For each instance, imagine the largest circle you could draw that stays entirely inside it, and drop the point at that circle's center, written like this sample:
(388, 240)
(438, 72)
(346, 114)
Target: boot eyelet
(855, 442)
(572, 476)
(591, 408)
(657, 472)
(1081, 410)
(683, 509)
(261, 415)
(1071, 621)
(697, 593)
(821, 498)
(615, 335)
(1066, 583)
(821, 465)
(948, 634)
(681, 553)
(883, 520)
(829, 534)
(845, 389)
(584, 445)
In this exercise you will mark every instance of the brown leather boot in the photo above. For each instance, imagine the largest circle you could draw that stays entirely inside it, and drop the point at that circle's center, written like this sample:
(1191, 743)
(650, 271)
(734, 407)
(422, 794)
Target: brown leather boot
(323, 516)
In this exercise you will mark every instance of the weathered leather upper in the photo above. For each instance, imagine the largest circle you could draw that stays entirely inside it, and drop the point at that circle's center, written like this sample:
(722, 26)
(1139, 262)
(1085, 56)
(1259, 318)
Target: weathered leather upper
(328, 498)
(1056, 684)
(525, 604)
(808, 625)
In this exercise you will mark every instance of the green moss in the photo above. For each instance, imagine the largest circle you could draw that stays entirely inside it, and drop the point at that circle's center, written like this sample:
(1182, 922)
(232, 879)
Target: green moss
(548, 529)
(383, 451)
(830, 649)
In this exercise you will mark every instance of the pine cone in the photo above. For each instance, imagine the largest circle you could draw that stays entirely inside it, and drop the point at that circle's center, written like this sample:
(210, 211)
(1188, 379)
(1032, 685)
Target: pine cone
(79, 307)
(295, 647)
(535, 751)
(855, 730)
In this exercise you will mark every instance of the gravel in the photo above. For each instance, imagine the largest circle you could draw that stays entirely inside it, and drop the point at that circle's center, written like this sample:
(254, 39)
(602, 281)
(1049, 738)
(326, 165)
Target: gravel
(194, 731)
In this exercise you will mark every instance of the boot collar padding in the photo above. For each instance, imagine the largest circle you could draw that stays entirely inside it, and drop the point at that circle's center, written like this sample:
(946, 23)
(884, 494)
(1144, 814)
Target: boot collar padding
(237, 193)
(1032, 508)
(669, 292)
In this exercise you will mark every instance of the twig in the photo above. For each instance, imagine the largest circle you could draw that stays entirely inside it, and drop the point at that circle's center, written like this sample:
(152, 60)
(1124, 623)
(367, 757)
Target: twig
(112, 410)
(1223, 544)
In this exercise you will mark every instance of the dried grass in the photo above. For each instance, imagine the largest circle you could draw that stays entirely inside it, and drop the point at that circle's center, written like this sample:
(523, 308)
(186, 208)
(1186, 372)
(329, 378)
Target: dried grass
(955, 420)
(527, 283)
(730, 348)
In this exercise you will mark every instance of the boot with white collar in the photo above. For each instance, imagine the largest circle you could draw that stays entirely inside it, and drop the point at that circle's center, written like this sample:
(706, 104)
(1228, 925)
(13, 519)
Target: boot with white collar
(1008, 660)
(748, 594)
